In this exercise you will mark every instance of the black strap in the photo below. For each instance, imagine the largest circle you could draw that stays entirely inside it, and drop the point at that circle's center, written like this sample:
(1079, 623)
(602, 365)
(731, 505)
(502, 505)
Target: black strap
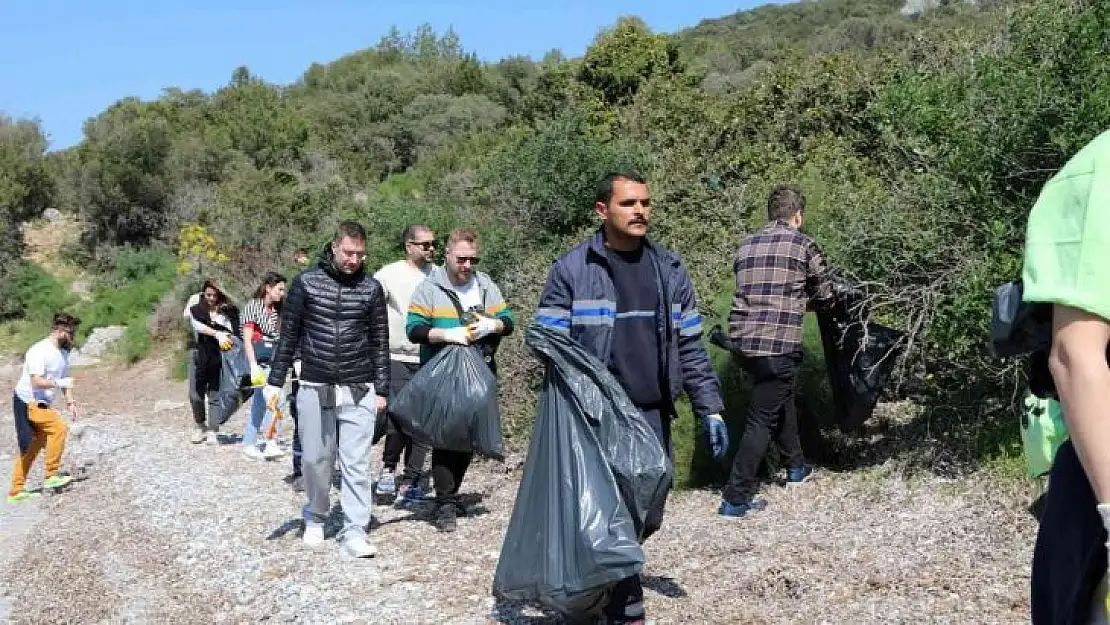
(454, 297)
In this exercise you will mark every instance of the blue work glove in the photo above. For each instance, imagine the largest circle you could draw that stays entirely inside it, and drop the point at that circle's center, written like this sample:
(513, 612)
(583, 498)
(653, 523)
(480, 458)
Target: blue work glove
(717, 433)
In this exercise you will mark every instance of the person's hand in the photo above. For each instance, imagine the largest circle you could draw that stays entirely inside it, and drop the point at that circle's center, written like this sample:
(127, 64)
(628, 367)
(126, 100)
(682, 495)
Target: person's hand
(484, 327)
(379, 404)
(717, 433)
(63, 383)
(272, 395)
(258, 375)
(224, 340)
(458, 335)
(72, 406)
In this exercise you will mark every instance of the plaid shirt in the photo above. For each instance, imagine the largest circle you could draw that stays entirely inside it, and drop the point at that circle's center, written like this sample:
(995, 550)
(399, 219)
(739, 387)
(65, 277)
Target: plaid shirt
(778, 271)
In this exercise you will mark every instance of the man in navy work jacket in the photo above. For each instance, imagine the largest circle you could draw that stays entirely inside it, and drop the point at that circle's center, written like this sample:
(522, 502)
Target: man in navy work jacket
(631, 304)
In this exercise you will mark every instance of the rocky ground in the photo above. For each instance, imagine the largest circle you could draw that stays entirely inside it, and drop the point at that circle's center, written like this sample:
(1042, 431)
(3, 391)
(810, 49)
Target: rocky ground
(164, 531)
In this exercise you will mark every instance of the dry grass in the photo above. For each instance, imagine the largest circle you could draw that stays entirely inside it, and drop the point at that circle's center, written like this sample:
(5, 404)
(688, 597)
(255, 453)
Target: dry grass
(165, 531)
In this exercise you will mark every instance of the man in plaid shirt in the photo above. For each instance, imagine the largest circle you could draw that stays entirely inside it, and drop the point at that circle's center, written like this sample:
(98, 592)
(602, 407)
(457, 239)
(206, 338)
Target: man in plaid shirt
(779, 272)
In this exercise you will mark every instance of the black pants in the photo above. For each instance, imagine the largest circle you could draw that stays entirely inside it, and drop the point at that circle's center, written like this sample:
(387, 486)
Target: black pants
(448, 470)
(771, 408)
(626, 599)
(204, 386)
(1069, 558)
(397, 441)
(296, 430)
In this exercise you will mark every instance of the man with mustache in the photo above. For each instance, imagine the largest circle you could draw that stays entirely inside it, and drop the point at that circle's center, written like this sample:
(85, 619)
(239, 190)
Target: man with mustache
(630, 302)
(37, 423)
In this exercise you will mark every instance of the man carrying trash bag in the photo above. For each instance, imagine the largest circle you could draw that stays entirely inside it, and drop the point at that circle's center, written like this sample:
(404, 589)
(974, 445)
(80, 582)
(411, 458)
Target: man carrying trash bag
(630, 304)
(455, 305)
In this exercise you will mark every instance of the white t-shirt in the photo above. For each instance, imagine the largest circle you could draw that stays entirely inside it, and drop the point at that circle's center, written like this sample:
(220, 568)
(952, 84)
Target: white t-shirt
(470, 296)
(45, 359)
(399, 280)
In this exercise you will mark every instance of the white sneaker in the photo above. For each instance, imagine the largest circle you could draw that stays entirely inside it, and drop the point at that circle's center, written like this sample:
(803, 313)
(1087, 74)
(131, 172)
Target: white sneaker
(252, 451)
(199, 436)
(212, 437)
(270, 449)
(357, 546)
(313, 534)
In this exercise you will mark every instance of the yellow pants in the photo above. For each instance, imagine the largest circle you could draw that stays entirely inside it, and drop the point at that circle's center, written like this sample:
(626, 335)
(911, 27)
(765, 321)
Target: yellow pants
(50, 432)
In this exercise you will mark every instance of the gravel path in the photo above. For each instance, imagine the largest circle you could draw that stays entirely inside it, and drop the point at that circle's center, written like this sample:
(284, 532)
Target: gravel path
(168, 532)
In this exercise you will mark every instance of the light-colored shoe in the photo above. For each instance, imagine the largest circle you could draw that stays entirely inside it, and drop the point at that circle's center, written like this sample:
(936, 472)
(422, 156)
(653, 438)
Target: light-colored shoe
(313, 534)
(357, 546)
(252, 451)
(199, 435)
(212, 437)
(270, 449)
(23, 495)
(57, 481)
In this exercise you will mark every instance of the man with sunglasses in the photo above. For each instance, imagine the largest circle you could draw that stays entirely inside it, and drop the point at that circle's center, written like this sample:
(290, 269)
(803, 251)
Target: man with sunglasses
(457, 304)
(630, 302)
(399, 279)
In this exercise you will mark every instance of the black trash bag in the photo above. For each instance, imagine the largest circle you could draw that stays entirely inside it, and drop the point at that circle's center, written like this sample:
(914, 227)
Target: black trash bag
(860, 356)
(594, 469)
(235, 373)
(451, 403)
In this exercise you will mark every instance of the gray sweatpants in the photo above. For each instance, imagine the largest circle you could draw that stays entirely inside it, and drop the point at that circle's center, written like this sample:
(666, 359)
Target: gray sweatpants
(318, 429)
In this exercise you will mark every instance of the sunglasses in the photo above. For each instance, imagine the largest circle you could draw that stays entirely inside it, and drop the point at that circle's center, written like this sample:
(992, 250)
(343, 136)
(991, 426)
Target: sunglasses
(424, 245)
(462, 260)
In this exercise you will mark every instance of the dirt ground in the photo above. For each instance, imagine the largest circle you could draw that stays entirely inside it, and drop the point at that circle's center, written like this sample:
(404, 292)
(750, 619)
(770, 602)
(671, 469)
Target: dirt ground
(166, 531)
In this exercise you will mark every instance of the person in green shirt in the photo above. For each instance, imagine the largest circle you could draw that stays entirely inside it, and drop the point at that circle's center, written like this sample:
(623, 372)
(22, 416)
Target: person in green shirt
(1067, 265)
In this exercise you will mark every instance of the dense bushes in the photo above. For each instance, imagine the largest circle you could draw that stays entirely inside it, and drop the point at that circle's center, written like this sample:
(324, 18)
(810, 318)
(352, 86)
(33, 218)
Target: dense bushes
(920, 143)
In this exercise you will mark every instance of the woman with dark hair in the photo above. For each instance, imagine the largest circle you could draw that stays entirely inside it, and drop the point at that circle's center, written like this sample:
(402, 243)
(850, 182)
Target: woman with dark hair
(215, 320)
(261, 325)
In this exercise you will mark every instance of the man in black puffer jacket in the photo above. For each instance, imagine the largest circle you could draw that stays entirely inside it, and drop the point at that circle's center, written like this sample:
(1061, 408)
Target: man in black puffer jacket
(335, 314)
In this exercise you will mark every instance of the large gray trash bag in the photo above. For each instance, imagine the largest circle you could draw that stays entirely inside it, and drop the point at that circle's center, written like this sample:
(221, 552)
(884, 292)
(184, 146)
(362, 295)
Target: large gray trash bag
(594, 469)
(451, 403)
(234, 371)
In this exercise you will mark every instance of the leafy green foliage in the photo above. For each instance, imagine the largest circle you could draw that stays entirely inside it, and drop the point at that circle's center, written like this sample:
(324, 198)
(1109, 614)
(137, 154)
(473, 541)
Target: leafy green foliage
(919, 140)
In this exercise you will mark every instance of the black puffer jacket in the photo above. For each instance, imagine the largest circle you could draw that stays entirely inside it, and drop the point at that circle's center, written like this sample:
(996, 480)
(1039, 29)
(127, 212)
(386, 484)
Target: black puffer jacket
(339, 323)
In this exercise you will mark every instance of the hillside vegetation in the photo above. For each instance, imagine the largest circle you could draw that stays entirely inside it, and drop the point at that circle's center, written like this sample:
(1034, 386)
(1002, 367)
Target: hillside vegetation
(920, 141)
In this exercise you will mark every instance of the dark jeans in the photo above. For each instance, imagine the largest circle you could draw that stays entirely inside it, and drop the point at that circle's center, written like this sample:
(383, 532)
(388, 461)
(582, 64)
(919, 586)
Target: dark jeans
(1069, 557)
(396, 441)
(297, 452)
(448, 470)
(204, 386)
(771, 408)
(626, 599)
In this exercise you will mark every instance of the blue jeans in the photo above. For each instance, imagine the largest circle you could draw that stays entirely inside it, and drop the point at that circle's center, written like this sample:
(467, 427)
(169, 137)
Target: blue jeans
(259, 420)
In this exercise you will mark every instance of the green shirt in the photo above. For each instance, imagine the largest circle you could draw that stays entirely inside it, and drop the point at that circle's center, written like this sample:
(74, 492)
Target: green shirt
(1067, 240)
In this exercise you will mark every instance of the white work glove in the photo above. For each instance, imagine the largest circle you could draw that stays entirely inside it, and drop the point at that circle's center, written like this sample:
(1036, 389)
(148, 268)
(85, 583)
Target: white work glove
(64, 382)
(272, 395)
(297, 368)
(458, 336)
(483, 327)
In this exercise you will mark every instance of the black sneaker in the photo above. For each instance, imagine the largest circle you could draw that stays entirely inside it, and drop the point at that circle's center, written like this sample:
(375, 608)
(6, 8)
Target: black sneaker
(445, 517)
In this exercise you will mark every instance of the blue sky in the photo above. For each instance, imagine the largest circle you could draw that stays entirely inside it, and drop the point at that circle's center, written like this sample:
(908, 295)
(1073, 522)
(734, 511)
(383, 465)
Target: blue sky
(64, 61)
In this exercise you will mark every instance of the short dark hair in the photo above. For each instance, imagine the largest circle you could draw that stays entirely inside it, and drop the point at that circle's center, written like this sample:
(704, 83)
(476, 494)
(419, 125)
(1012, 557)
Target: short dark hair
(786, 200)
(299, 252)
(603, 192)
(349, 230)
(65, 320)
(410, 231)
